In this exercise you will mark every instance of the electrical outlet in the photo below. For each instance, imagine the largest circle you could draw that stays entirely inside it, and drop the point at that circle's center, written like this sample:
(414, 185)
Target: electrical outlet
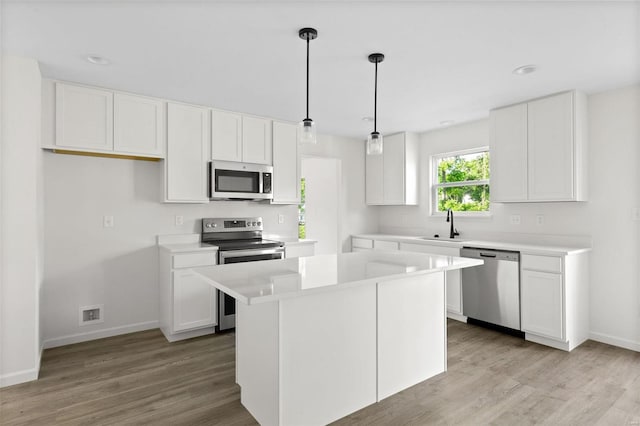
(514, 219)
(280, 218)
(107, 221)
(540, 219)
(635, 213)
(179, 220)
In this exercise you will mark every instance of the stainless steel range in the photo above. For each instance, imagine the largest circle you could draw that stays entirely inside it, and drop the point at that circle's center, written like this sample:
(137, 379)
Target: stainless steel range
(238, 240)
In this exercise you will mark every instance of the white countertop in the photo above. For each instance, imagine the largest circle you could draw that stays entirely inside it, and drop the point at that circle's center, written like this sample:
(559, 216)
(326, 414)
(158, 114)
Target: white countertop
(257, 282)
(524, 248)
(187, 247)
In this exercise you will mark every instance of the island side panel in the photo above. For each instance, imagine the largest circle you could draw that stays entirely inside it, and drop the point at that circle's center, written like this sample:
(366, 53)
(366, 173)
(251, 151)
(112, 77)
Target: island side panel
(411, 331)
(257, 360)
(328, 355)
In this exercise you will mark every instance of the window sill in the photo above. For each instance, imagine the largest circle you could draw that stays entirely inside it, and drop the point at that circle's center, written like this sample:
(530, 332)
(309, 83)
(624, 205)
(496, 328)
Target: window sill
(464, 215)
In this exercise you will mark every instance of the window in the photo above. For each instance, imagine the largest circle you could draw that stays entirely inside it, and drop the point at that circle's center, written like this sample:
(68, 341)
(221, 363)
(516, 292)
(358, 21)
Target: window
(461, 181)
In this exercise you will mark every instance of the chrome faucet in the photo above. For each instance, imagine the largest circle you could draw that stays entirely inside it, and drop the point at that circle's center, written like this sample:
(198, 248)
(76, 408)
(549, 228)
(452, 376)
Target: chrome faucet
(453, 231)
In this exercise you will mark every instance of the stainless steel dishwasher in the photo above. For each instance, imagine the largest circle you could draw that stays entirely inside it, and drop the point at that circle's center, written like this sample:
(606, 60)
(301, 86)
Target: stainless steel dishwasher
(491, 292)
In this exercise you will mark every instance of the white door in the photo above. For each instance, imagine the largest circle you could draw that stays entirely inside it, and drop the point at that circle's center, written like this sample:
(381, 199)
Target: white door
(256, 140)
(286, 181)
(322, 195)
(394, 169)
(374, 179)
(187, 153)
(138, 125)
(508, 127)
(194, 301)
(551, 148)
(226, 136)
(542, 304)
(84, 118)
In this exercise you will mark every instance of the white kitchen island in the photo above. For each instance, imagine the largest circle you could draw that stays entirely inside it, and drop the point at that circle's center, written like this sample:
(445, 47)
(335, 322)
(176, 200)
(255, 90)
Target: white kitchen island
(320, 337)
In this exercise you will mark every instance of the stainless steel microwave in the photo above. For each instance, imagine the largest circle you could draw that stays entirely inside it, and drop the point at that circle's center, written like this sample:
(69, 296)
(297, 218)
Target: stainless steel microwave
(229, 180)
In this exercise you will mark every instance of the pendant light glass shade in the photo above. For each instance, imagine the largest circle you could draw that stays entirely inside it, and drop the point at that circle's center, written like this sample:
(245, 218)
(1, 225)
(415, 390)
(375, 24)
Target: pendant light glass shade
(374, 144)
(374, 141)
(307, 131)
(307, 128)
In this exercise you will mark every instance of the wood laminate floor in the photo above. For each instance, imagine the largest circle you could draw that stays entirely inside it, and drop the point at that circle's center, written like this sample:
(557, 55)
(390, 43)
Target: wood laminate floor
(493, 378)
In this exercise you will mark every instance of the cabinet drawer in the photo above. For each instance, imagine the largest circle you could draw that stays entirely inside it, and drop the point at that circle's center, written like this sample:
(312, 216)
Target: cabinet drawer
(194, 259)
(385, 245)
(362, 243)
(542, 263)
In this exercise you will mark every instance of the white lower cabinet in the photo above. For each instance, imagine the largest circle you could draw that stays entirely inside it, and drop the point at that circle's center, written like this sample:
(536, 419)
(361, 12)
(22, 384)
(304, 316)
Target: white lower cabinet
(299, 250)
(554, 299)
(542, 302)
(188, 304)
(194, 301)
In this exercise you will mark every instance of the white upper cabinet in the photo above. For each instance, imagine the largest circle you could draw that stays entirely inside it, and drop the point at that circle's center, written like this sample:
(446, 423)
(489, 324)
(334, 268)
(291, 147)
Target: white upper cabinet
(509, 153)
(240, 138)
(286, 160)
(188, 139)
(138, 125)
(539, 150)
(226, 136)
(106, 122)
(84, 118)
(256, 140)
(392, 178)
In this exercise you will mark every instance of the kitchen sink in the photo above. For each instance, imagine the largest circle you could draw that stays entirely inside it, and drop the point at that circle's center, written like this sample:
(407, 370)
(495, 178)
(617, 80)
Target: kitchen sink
(443, 239)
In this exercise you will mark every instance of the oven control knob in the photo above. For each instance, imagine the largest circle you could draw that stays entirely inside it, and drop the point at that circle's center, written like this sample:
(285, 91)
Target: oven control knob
(254, 223)
(215, 225)
(259, 223)
(208, 225)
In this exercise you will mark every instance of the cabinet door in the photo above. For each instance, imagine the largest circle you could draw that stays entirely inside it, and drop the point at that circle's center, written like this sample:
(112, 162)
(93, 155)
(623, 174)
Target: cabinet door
(286, 164)
(186, 164)
(542, 304)
(256, 140)
(84, 118)
(551, 148)
(226, 136)
(508, 139)
(394, 169)
(194, 301)
(374, 179)
(138, 125)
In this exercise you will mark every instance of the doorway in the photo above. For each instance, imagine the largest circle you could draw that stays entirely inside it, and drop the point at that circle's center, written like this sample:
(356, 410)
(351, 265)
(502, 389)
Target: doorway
(322, 178)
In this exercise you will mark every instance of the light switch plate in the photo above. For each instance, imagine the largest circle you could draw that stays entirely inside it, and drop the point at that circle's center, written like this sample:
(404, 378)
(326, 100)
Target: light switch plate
(280, 218)
(179, 220)
(540, 219)
(514, 219)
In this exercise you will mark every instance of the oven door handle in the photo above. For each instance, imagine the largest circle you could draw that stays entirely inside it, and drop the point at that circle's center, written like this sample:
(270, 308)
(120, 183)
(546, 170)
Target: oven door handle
(243, 253)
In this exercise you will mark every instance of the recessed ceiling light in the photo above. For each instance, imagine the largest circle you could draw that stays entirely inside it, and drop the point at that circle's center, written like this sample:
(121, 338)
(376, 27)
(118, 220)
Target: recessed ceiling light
(367, 119)
(446, 123)
(525, 69)
(98, 60)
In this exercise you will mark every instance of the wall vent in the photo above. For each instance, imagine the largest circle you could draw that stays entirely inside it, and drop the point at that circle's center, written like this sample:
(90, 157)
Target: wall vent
(93, 314)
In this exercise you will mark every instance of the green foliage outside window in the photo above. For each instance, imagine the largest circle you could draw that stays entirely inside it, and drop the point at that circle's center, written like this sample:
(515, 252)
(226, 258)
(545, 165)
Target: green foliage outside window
(463, 182)
(302, 232)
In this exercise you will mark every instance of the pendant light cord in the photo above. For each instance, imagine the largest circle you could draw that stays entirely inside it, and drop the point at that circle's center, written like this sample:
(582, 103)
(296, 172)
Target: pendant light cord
(375, 101)
(307, 78)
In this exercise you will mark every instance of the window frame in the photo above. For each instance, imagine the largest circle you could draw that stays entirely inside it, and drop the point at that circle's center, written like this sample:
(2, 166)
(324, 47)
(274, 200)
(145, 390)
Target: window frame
(434, 185)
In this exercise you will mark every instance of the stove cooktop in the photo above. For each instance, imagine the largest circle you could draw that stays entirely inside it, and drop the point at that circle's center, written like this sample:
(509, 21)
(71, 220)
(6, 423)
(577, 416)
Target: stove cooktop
(226, 245)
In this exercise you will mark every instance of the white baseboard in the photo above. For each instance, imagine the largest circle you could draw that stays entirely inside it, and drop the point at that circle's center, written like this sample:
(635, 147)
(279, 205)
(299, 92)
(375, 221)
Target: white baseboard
(19, 377)
(457, 317)
(186, 334)
(99, 334)
(615, 341)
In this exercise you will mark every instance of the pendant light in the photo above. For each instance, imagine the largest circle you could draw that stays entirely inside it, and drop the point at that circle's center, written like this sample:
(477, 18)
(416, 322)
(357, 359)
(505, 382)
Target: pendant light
(307, 128)
(374, 141)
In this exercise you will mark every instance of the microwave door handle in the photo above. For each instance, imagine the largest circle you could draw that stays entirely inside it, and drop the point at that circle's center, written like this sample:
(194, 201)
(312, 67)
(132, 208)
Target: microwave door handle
(260, 182)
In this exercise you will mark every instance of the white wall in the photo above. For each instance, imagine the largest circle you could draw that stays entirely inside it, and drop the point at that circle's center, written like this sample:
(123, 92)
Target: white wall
(606, 220)
(355, 216)
(20, 221)
(87, 264)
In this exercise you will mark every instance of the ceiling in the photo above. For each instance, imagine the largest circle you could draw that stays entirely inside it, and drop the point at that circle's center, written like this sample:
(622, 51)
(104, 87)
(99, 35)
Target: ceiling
(444, 60)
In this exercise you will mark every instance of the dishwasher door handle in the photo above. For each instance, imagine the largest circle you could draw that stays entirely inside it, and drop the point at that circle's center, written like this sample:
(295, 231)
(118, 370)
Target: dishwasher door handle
(487, 255)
